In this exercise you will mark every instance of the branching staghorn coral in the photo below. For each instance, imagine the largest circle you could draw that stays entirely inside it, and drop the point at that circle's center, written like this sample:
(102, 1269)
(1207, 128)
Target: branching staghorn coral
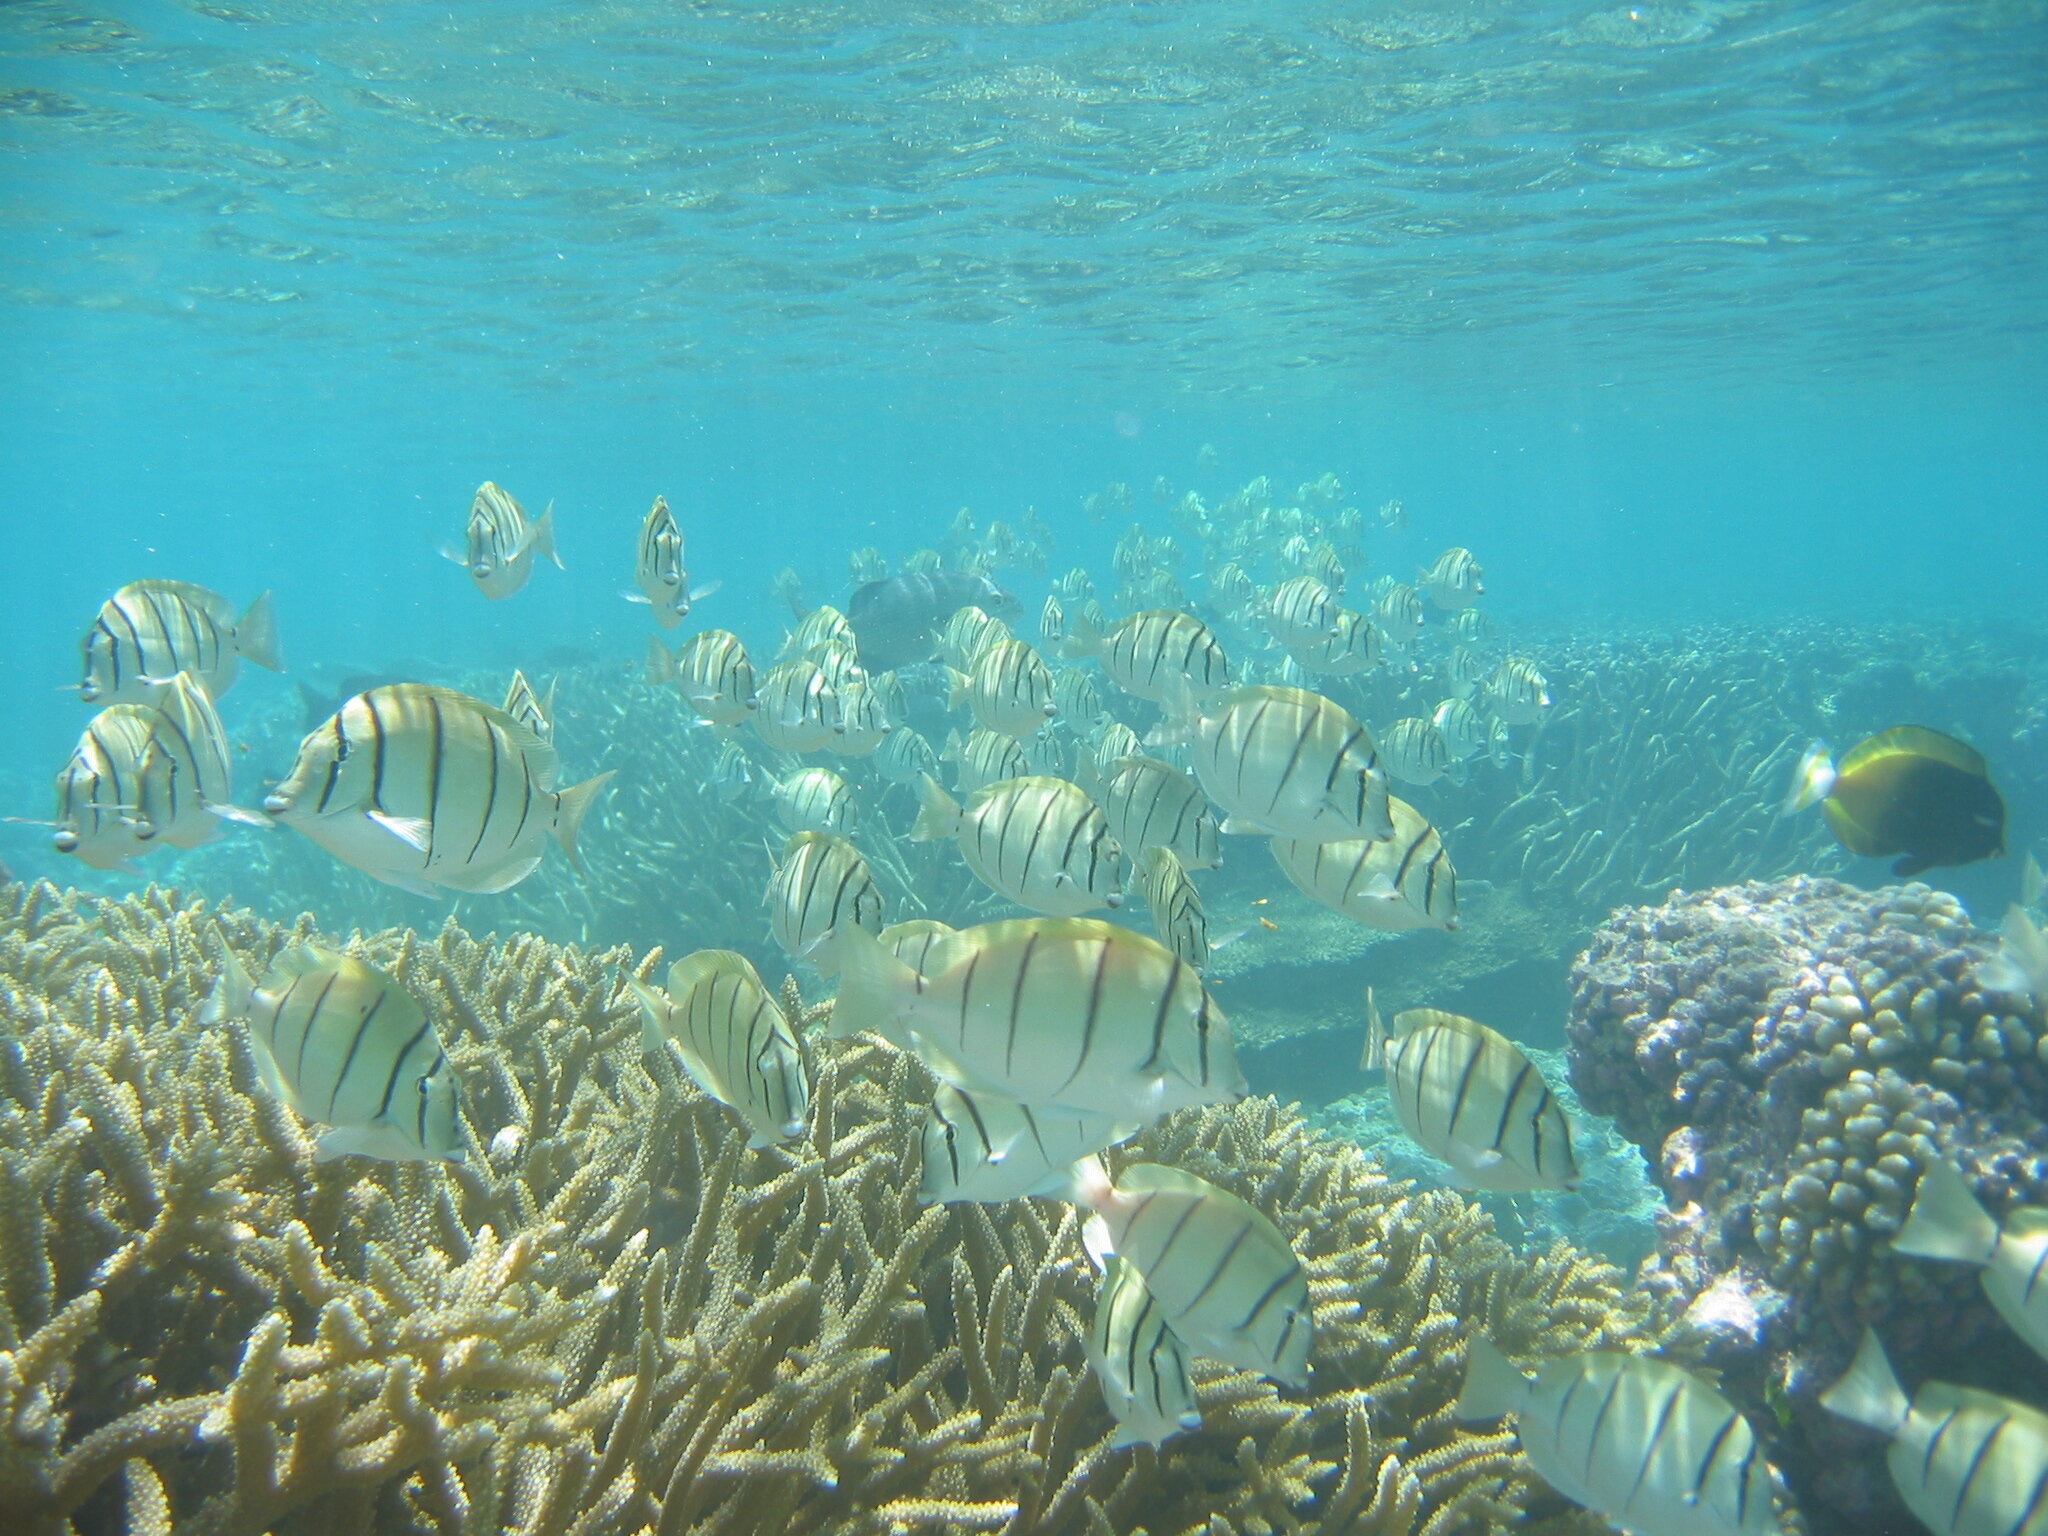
(615, 1317)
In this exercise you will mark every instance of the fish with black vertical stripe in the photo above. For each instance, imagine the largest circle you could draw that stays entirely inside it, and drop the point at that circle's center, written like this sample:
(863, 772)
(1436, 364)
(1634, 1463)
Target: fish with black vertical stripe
(1140, 1363)
(1068, 1013)
(500, 543)
(1402, 883)
(1225, 1279)
(1290, 763)
(987, 1150)
(733, 1040)
(1039, 841)
(820, 886)
(1470, 1097)
(1639, 1440)
(427, 789)
(344, 1045)
(150, 631)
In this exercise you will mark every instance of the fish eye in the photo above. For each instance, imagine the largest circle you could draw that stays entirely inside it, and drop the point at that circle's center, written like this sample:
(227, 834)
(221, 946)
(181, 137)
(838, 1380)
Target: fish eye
(426, 1086)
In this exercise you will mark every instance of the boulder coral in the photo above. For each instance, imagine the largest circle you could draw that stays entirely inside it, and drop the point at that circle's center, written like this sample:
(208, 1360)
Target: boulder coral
(1790, 1056)
(614, 1317)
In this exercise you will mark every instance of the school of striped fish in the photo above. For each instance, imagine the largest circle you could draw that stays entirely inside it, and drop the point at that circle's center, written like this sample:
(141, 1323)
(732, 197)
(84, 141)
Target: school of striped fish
(1097, 770)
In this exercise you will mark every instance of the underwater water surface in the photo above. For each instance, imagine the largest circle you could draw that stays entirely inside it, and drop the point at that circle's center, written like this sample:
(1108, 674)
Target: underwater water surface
(1717, 333)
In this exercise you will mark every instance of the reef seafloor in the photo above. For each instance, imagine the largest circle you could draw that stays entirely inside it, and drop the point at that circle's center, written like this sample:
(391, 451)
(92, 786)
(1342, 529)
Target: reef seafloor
(616, 1316)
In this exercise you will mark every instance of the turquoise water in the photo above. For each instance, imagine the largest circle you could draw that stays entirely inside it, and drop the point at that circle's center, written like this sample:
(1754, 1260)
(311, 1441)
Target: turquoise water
(1718, 331)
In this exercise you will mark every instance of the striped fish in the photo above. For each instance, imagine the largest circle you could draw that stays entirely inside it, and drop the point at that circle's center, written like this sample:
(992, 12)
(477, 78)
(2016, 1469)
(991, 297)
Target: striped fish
(1967, 1462)
(346, 1046)
(981, 758)
(1301, 611)
(1414, 751)
(986, 1150)
(1462, 727)
(1291, 764)
(911, 942)
(1039, 841)
(1152, 804)
(1352, 646)
(499, 543)
(1052, 620)
(733, 1040)
(186, 776)
(1946, 1222)
(732, 771)
(1161, 655)
(821, 886)
(1177, 915)
(1398, 614)
(967, 634)
(1466, 673)
(823, 626)
(1113, 741)
(796, 709)
(1061, 1013)
(864, 722)
(712, 673)
(1076, 697)
(1223, 1275)
(1141, 1365)
(1453, 582)
(1517, 693)
(658, 567)
(99, 790)
(1009, 689)
(905, 756)
(150, 631)
(1050, 751)
(1641, 1441)
(528, 708)
(423, 787)
(840, 663)
(814, 800)
(1468, 1096)
(1323, 562)
(1471, 626)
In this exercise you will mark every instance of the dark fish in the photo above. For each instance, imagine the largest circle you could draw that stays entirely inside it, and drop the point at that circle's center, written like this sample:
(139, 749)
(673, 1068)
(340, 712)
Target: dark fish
(1909, 791)
(895, 618)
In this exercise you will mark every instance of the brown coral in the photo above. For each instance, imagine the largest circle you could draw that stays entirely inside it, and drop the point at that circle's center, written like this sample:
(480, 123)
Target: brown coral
(615, 1317)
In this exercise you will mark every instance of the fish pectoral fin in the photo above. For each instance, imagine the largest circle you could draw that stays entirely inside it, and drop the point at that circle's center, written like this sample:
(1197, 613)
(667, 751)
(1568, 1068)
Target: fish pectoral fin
(241, 815)
(698, 594)
(1097, 1243)
(1488, 1159)
(413, 831)
(1238, 826)
(637, 597)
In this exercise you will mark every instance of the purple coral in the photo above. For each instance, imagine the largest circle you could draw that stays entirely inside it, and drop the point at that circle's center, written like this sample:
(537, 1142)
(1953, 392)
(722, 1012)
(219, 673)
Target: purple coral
(1790, 1056)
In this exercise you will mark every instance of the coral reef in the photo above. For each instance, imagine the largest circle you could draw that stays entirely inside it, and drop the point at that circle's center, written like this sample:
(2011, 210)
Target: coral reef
(615, 1317)
(1791, 1056)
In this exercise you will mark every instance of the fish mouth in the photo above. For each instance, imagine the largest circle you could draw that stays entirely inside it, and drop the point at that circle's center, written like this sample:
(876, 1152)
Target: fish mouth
(64, 842)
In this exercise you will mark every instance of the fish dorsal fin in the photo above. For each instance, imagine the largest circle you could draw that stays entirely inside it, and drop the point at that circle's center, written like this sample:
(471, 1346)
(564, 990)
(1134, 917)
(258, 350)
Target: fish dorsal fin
(305, 960)
(1918, 741)
(693, 970)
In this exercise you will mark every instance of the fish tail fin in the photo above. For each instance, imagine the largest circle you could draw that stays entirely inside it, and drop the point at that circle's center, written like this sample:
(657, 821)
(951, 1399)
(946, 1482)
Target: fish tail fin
(543, 540)
(232, 995)
(1374, 1058)
(1811, 780)
(653, 1015)
(1083, 637)
(1492, 1384)
(661, 664)
(874, 985)
(959, 686)
(1869, 1393)
(1089, 1186)
(571, 805)
(2021, 964)
(1946, 1221)
(938, 813)
(256, 635)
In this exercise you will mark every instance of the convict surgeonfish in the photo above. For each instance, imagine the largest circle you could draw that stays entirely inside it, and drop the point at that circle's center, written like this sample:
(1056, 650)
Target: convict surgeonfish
(823, 627)
(986, 1150)
(1177, 915)
(658, 568)
(896, 620)
(1465, 673)
(732, 772)
(820, 886)
(1301, 611)
(1076, 697)
(1291, 763)
(423, 788)
(529, 708)
(1453, 582)
(99, 789)
(1161, 655)
(733, 1040)
(1398, 615)
(1051, 752)
(1517, 693)
(795, 707)
(864, 722)
(1468, 1096)
(1946, 1222)
(1401, 884)
(344, 1045)
(905, 756)
(1009, 689)
(1464, 730)
(185, 781)
(150, 631)
(983, 757)
(1039, 841)
(1639, 1440)
(967, 634)
(1352, 646)
(1414, 751)
(1052, 620)
(1910, 791)
(814, 800)
(1152, 804)
(712, 673)
(499, 543)
(1139, 1362)
(1067, 1013)
(1223, 1275)
(1967, 1462)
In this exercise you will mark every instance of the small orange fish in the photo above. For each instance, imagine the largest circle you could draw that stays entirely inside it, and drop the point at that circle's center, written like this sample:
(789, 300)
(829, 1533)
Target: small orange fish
(1269, 925)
